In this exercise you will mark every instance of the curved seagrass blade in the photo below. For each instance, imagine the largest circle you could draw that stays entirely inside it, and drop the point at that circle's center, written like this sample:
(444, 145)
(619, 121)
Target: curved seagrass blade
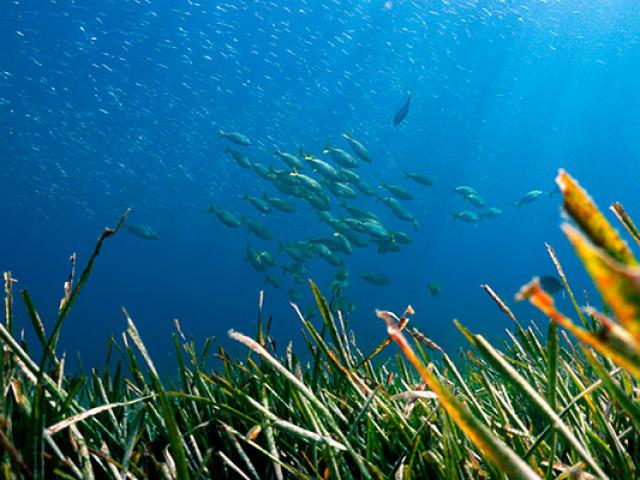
(618, 284)
(582, 209)
(495, 450)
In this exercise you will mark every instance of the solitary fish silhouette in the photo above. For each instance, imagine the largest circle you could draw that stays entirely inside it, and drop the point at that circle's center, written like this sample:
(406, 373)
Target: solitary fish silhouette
(402, 113)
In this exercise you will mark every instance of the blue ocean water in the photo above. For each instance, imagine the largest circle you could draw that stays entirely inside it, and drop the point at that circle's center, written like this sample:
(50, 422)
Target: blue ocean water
(116, 104)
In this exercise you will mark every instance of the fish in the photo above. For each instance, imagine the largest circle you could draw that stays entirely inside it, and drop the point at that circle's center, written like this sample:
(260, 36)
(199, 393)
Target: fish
(290, 159)
(341, 157)
(254, 259)
(434, 288)
(257, 229)
(344, 305)
(401, 237)
(279, 203)
(329, 219)
(466, 216)
(338, 286)
(375, 278)
(333, 260)
(359, 213)
(465, 191)
(320, 247)
(355, 239)
(476, 200)
(318, 200)
(344, 243)
(355, 224)
(349, 176)
(239, 157)
(365, 189)
(397, 191)
(418, 178)
(296, 268)
(357, 148)
(388, 245)
(323, 168)
(341, 190)
(273, 281)
(295, 295)
(287, 184)
(298, 251)
(263, 171)
(529, 197)
(376, 229)
(306, 181)
(235, 137)
(404, 110)
(399, 211)
(143, 231)
(551, 284)
(341, 273)
(267, 258)
(259, 203)
(491, 212)
(227, 217)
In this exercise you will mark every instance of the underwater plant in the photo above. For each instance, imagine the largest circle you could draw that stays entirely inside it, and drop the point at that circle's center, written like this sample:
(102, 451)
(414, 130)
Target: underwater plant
(543, 406)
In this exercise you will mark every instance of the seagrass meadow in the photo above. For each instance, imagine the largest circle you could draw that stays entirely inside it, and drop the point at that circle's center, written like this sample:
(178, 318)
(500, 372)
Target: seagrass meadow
(559, 401)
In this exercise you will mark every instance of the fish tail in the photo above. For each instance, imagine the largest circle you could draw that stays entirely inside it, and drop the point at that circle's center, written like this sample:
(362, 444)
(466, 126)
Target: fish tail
(455, 216)
(407, 174)
(211, 209)
(222, 133)
(281, 248)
